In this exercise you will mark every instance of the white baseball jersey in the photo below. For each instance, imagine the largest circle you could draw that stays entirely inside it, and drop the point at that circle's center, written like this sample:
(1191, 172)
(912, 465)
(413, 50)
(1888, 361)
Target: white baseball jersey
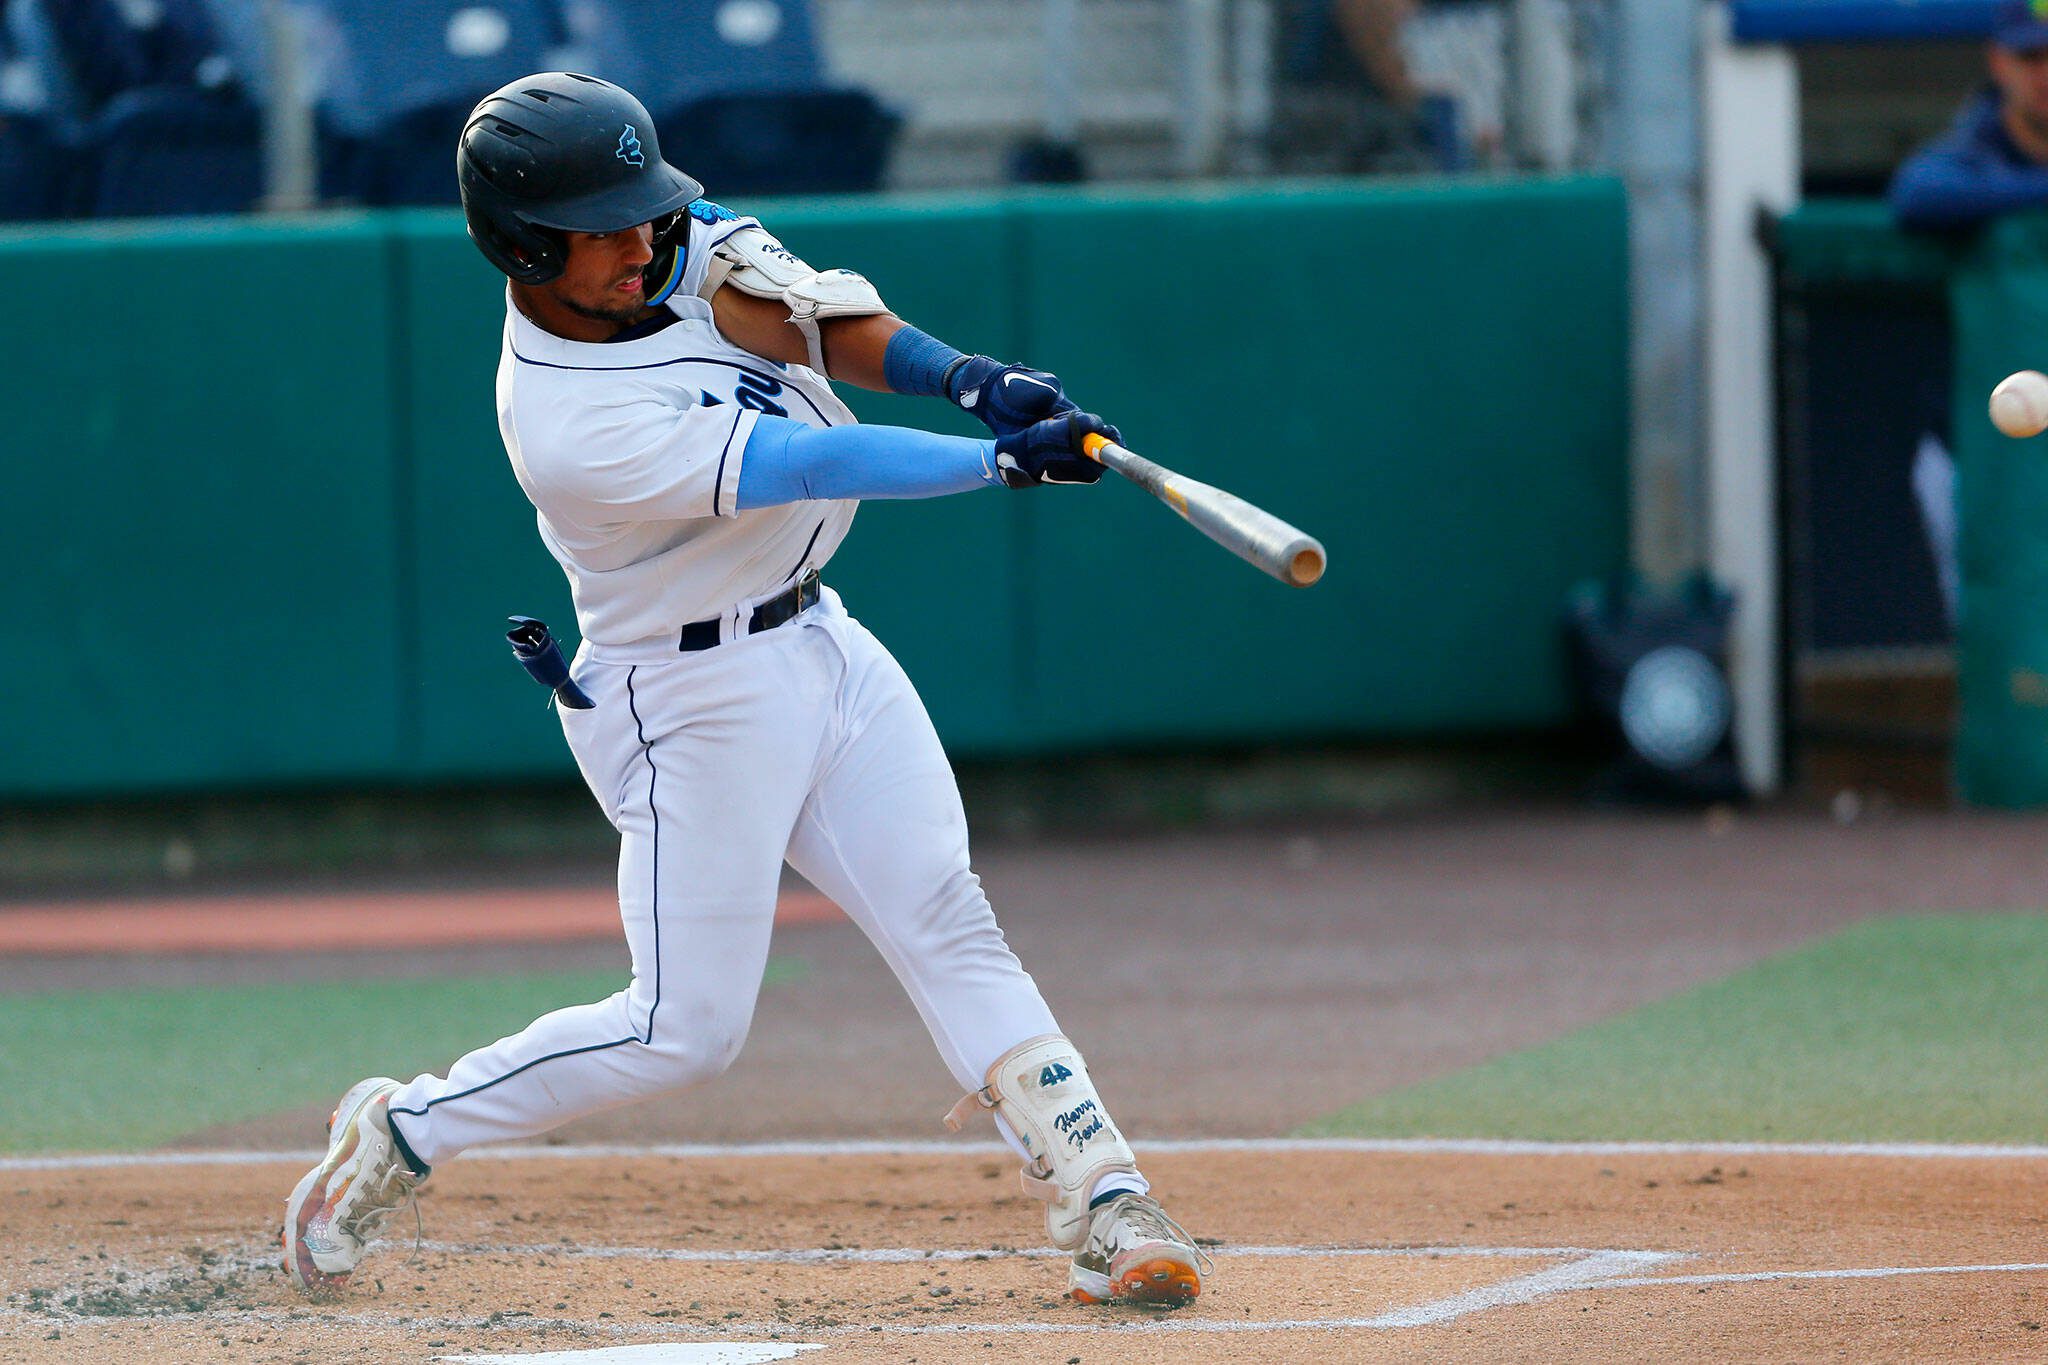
(630, 451)
(804, 743)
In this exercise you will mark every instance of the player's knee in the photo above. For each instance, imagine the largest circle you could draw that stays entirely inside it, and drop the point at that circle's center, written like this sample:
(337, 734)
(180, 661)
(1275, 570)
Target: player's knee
(948, 903)
(693, 1054)
(955, 920)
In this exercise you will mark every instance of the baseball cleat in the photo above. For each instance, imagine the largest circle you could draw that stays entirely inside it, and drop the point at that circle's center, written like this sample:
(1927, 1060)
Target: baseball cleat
(1136, 1253)
(335, 1211)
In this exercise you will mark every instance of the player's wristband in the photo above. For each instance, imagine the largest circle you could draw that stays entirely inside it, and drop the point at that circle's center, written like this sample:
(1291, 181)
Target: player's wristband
(917, 363)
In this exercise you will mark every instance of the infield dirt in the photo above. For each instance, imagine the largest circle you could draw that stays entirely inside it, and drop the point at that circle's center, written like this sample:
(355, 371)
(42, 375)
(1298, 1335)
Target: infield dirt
(1291, 971)
(559, 1253)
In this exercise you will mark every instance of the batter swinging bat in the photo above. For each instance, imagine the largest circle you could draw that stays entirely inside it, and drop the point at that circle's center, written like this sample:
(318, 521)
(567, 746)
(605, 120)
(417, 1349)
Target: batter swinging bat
(1251, 533)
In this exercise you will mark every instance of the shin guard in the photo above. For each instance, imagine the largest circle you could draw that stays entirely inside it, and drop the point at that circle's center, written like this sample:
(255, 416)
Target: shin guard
(1041, 1089)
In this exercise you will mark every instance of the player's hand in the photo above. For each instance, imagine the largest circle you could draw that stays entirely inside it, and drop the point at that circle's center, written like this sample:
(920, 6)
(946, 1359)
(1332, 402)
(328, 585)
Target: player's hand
(1007, 398)
(1050, 451)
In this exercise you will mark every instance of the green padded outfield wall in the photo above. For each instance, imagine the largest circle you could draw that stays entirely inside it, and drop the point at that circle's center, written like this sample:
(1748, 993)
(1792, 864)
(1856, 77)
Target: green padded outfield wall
(1999, 297)
(1427, 380)
(273, 535)
(201, 473)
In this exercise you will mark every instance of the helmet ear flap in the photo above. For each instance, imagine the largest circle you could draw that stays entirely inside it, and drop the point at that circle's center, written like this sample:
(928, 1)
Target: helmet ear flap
(526, 253)
(665, 272)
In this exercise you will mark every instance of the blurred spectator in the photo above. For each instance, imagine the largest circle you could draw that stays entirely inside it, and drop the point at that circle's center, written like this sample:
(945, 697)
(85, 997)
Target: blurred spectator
(1344, 98)
(1995, 159)
(145, 111)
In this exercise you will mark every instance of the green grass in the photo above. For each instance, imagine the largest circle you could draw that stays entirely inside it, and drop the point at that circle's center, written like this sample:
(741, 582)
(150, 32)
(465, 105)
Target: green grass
(1927, 1029)
(115, 1070)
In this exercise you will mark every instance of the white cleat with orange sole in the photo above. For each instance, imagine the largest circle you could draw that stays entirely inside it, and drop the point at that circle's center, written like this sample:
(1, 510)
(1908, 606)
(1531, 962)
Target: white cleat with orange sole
(334, 1213)
(1136, 1254)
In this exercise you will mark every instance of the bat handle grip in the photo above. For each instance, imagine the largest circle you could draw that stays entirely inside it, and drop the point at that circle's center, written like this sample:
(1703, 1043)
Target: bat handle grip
(1092, 444)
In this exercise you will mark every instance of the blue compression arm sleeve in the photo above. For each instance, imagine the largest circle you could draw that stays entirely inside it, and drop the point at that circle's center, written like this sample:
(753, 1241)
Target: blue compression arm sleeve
(917, 363)
(787, 462)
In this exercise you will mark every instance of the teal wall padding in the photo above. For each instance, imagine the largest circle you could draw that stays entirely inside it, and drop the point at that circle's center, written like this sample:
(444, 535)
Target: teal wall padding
(1430, 379)
(1999, 299)
(1857, 241)
(474, 556)
(202, 567)
(268, 535)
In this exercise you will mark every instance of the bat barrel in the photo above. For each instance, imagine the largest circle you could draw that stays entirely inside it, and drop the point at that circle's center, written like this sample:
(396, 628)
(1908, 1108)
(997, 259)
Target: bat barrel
(1305, 562)
(1251, 533)
(1255, 535)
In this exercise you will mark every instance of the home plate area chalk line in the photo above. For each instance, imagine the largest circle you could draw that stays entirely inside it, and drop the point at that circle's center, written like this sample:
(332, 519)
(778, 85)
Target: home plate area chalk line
(695, 1353)
(1585, 1269)
(1588, 1270)
(1582, 1269)
(1575, 1269)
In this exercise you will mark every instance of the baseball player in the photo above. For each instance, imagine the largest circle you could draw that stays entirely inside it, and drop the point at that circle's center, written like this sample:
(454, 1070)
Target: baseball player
(663, 395)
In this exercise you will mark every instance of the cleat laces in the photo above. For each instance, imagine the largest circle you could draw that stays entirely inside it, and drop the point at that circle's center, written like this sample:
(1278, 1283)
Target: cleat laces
(1142, 1213)
(397, 1188)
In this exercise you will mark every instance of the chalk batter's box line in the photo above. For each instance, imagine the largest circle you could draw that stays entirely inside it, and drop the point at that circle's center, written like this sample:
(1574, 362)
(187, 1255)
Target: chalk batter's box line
(957, 1255)
(1910, 1151)
(1591, 1273)
(1518, 1289)
(1594, 1270)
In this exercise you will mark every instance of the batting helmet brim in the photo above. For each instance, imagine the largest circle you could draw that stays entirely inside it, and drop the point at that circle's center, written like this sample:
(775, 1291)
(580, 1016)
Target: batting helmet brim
(666, 190)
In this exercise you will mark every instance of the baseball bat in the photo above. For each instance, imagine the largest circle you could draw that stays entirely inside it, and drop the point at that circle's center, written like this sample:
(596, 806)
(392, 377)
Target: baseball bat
(1251, 533)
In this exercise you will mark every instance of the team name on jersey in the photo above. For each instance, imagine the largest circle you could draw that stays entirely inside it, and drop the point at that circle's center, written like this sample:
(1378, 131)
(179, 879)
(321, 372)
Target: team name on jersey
(756, 391)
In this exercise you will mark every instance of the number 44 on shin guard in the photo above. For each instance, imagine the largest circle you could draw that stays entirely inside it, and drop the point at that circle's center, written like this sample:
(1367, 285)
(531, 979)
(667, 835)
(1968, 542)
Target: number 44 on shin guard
(1041, 1089)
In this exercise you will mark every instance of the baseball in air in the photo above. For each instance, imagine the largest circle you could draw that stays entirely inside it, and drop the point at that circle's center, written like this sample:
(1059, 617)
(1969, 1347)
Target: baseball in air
(2019, 405)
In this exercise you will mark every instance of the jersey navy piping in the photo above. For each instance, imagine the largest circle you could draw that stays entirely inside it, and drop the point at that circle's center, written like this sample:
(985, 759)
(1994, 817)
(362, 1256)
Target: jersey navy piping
(718, 484)
(807, 552)
(653, 810)
(679, 360)
(647, 752)
(640, 331)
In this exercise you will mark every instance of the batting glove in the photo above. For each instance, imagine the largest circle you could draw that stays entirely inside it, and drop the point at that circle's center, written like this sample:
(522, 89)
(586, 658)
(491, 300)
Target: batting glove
(1007, 398)
(1050, 451)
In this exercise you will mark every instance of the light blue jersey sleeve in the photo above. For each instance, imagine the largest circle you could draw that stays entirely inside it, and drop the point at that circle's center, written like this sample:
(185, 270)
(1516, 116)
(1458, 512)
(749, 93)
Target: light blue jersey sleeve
(787, 461)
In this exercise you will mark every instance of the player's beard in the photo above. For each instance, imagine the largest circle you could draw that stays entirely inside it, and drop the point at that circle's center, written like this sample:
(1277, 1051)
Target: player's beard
(623, 314)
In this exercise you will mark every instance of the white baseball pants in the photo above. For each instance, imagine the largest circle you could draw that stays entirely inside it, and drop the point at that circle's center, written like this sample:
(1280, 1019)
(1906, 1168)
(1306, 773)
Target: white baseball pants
(806, 742)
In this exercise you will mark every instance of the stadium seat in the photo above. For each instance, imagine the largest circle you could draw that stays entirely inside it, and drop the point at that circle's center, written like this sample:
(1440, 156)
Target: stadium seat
(410, 160)
(173, 150)
(242, 28)
(670, 52)
(109, 48)
(34, 171)
(737, 88)
(400, 77)
(795, 142)
(145, 113)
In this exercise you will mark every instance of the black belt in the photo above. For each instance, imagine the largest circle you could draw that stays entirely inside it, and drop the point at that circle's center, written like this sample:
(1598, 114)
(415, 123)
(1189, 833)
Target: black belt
(770, 614)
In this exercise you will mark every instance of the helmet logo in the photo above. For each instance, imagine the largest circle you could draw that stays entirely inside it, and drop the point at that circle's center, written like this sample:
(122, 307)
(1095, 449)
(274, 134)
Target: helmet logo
(629, 148)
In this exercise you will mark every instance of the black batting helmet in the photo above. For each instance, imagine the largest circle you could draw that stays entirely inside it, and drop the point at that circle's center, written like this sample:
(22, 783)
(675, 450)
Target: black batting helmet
(560, 152)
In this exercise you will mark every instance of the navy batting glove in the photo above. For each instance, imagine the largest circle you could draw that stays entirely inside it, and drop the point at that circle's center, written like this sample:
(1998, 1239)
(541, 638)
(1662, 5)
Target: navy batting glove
(1007, 398)
(1050, 451)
